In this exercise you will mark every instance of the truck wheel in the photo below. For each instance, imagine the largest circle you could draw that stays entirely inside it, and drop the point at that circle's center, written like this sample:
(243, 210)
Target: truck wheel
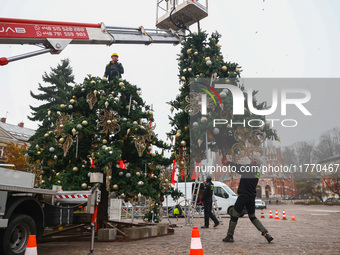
(16, 234)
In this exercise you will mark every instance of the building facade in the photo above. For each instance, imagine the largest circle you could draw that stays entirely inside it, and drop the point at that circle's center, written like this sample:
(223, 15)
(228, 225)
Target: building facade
(10, 133)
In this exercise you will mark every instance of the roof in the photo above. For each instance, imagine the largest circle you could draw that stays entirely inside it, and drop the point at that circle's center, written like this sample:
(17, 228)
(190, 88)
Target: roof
(20, 133)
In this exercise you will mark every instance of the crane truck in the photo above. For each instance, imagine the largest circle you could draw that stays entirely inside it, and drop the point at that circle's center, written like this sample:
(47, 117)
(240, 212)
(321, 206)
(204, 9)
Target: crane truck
(22, 206)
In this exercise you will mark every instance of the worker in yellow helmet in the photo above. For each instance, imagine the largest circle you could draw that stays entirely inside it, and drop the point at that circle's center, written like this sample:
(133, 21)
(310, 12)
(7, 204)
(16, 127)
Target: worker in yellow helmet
(114, 68)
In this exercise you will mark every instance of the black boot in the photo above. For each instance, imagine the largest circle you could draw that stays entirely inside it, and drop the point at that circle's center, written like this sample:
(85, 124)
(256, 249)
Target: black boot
(228, 239)
(268, 237)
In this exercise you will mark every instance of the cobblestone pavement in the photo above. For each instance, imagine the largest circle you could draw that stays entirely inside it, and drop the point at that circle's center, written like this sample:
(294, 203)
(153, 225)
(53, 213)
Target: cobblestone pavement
(315, 231)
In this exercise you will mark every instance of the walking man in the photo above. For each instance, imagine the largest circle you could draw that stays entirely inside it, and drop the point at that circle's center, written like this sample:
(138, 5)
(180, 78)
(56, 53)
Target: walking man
(207, 202)
(246, 197)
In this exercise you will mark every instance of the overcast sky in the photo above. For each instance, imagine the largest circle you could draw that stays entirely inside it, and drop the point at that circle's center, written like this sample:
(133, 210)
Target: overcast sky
(267, 38)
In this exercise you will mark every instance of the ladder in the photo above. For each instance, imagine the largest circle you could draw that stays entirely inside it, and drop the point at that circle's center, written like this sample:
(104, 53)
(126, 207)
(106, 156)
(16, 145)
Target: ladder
(200, 178)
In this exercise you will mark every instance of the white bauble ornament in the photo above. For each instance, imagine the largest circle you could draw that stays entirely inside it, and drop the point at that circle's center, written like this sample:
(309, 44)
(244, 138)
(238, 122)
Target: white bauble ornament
(70, 107)
(216, 131)
(49, 112)
(128, 175)
(208, 63)
(79, 126)
(189, 69)
(140, 183)
(223, 94)
(51, 149)
(204, 119)
(55, 157)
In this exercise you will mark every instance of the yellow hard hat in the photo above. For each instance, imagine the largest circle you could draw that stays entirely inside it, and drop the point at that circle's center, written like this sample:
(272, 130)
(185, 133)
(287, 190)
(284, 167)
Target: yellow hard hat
(114, 54)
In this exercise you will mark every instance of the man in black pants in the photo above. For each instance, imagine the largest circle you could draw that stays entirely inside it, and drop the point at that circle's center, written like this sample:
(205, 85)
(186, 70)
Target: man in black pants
(246, 197)
(207, 201)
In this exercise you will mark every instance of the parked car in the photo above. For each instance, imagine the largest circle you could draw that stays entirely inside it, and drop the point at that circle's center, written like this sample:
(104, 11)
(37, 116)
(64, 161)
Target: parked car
(259, 204)
(332, 200)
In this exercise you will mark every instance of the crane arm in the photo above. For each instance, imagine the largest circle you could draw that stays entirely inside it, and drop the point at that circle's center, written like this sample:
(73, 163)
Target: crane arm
(55, 36)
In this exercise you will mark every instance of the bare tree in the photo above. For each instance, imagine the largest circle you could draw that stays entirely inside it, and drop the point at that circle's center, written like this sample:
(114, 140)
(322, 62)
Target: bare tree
(329, 145)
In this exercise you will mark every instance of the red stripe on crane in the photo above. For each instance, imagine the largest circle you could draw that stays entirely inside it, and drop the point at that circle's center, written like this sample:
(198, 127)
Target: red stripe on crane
(47, 22)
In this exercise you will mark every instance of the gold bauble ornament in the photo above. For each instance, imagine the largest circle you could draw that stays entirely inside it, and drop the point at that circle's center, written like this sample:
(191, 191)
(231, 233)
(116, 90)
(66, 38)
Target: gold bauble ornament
(224, 68)
(196, 53)
(189, 51)
(189, 69)
(183, 143)
(218, 46)
(207, 58)
(84, 123)
(121, 84)
(115, 187)
(58, 174)
(127, 107)
(109, 122)
(135, 123)
(62, 140)
(74, 97)
(62, 106)
(84, 186)
(138, 174)
(237, 70)
(153, 154)
(75, 169)
(39, 152)
(72, 101)
(104, 141)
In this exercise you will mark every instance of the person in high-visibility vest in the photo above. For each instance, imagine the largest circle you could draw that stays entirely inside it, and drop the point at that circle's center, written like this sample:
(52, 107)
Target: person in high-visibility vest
(207, 202)
(250, 175)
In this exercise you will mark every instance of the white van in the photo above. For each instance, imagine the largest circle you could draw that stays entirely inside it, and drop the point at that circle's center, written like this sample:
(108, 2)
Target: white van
(225, 197)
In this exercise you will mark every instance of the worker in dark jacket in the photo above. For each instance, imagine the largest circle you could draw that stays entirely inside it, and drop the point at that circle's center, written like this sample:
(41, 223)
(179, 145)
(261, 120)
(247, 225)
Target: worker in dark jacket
(246, 197)
(114, 68)
(207, 202)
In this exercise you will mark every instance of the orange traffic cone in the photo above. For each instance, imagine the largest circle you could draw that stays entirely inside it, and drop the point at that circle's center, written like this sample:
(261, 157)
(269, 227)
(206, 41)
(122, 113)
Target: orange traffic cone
(196, 245)
(262, 214)
(284, 215)
(270, 214)
(293, 217)
(31, 248)
(276, 215)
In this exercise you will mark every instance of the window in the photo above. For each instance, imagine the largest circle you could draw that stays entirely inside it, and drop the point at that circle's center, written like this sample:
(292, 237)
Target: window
(2, 152)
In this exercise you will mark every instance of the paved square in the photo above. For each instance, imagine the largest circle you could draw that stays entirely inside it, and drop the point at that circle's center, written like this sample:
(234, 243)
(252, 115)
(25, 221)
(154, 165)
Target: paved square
(315, 231)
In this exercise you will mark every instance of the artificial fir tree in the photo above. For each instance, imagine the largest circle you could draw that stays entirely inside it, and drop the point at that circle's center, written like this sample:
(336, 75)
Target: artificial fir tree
(61, 80)
(201, 65)
(104, 127)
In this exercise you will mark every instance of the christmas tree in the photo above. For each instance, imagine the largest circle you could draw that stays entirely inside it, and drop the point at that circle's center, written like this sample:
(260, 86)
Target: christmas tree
(201, 66)
(104, 127)
(61, 80)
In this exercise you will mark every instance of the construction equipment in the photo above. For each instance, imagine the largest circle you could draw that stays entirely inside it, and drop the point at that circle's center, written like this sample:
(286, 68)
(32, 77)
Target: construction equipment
(179, 14)
(55, 36)
(25, 210)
